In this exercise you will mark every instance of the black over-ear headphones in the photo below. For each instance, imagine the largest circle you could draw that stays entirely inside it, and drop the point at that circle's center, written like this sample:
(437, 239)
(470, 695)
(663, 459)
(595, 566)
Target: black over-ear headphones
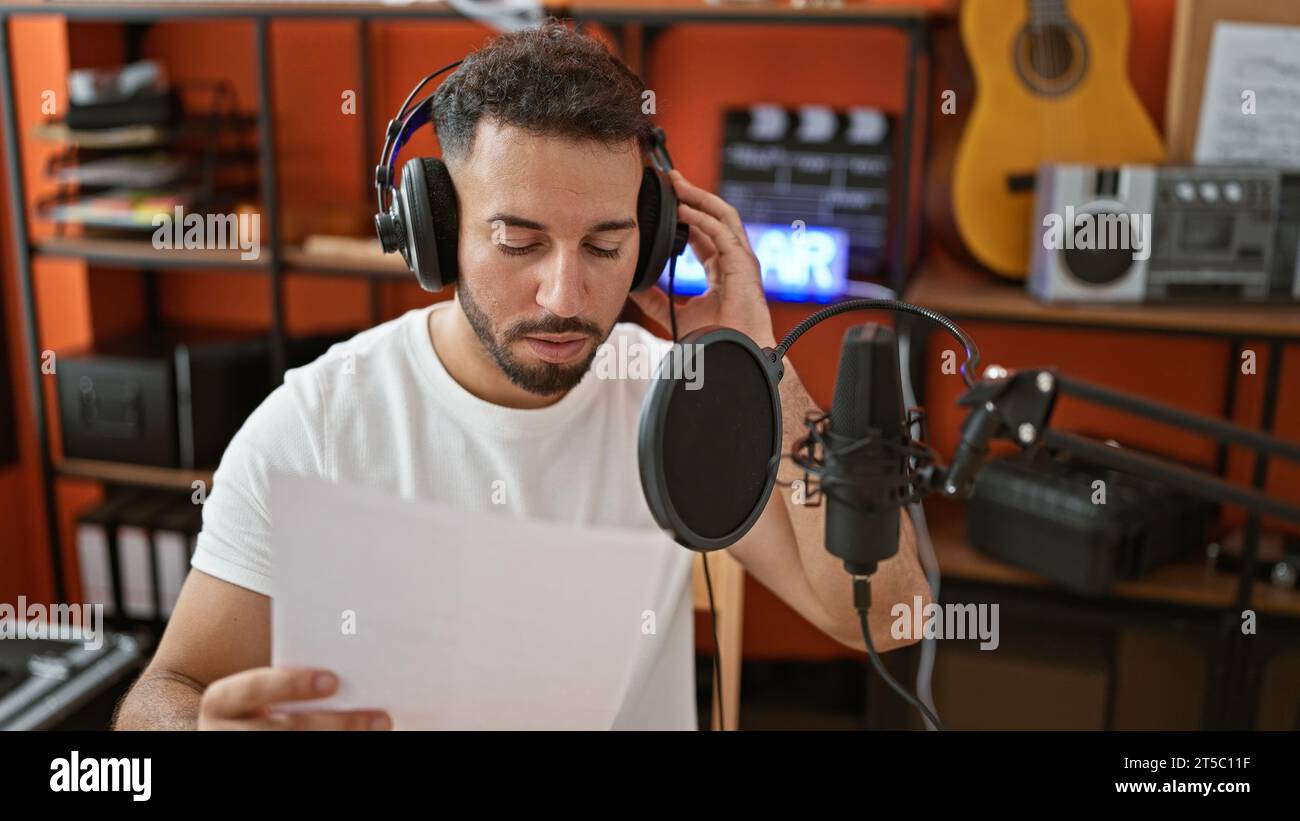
(422, 222)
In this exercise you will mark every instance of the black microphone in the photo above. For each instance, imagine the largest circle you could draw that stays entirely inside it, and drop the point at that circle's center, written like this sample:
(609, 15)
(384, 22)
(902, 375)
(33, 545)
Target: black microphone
(708, 457)
(866, 463)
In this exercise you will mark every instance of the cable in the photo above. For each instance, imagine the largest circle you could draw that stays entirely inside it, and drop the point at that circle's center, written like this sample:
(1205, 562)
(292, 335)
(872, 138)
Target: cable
(717, 649)
(929, 644)
(862, 601)
(916, 454)
(924, 546)
(972, 350)
(672, 303)
(708, 580)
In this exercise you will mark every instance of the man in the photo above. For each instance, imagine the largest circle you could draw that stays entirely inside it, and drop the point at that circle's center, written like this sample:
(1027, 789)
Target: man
(544, 137)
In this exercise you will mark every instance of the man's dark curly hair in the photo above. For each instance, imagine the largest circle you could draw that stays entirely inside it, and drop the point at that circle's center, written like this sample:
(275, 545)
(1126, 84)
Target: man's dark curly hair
(548, 80)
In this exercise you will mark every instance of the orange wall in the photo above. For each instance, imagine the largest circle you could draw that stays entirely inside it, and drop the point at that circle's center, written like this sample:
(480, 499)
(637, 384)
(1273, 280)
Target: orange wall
(695, 71)
(39, 63)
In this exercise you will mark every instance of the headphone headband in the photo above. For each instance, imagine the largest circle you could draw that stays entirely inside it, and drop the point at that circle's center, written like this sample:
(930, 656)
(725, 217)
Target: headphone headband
(659, 150)
(419, 216)
(400, 129)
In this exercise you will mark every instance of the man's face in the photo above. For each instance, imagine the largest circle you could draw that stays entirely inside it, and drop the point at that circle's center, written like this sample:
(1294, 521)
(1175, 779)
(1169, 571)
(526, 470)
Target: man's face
(548, 246)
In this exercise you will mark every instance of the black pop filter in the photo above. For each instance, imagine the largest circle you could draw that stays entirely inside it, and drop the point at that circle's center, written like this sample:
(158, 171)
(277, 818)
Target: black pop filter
(710, 439)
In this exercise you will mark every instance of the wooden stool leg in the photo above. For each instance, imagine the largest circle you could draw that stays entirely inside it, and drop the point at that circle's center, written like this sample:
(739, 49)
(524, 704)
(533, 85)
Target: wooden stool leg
(730, 632)
(729, 600)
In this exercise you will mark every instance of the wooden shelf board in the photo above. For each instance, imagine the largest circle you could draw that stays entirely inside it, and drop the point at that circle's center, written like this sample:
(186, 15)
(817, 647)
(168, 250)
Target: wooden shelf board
(141, 254)
(740, 11)
(133, 9)
(129, 474)
(389, 266)
(1267, 598)
(960, 291)
(131, 253)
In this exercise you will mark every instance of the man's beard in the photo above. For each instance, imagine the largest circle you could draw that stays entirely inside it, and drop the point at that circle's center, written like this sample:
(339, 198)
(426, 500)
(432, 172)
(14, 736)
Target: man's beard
(546, 378)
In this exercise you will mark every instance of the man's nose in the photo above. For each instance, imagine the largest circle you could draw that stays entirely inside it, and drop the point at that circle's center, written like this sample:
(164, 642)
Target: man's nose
(562, 290)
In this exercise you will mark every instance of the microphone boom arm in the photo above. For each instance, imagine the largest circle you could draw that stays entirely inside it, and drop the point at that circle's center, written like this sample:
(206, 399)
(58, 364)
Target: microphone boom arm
(1017, 406)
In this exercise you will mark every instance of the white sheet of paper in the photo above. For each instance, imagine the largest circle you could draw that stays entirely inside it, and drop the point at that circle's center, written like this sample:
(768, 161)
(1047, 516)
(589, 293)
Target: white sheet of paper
(454, 620)
(1263, 60)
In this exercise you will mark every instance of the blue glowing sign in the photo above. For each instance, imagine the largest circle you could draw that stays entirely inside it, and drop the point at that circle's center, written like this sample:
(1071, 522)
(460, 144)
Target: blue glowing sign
(798, 263)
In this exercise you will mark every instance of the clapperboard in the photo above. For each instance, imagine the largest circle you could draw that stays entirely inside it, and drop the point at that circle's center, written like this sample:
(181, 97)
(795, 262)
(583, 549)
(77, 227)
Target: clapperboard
(827, 168)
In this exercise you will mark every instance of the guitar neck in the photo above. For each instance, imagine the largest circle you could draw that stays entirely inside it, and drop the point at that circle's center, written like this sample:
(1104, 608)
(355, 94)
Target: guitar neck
(1048, 12)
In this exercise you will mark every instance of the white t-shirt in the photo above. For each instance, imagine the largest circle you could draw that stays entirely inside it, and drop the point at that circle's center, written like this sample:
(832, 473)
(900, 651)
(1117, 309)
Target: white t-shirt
(380, 410)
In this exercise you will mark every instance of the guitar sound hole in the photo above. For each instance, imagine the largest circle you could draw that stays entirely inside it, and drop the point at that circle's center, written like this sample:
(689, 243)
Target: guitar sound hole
(1050, 52)
(1051, 59)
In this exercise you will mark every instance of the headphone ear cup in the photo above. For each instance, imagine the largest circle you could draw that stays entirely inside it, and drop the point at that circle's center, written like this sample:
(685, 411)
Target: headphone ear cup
(427, 211)
(656, 216)
(445, 218)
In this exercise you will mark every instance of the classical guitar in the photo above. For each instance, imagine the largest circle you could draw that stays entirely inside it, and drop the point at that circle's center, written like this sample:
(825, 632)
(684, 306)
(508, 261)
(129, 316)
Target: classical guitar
(1052, 85)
